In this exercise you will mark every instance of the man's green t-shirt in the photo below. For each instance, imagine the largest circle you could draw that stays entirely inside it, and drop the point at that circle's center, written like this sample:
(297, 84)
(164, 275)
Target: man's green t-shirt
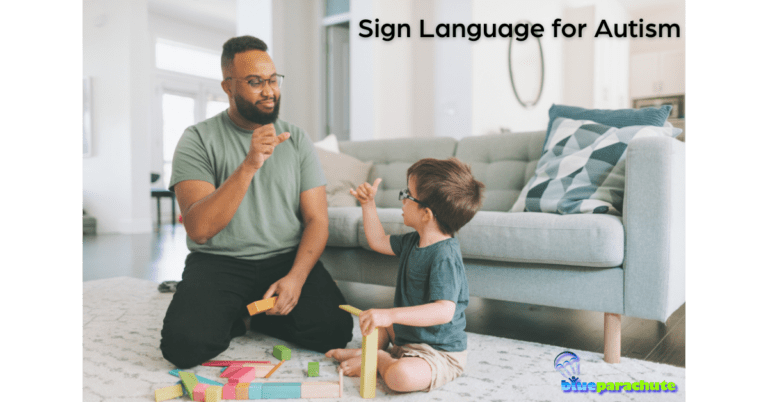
(268, 221)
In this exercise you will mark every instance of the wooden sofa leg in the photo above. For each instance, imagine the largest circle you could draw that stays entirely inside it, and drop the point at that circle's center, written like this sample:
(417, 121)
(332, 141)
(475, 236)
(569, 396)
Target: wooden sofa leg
(612, 350)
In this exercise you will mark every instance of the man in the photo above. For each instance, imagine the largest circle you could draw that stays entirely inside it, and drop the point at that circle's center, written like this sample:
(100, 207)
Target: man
(254, 207)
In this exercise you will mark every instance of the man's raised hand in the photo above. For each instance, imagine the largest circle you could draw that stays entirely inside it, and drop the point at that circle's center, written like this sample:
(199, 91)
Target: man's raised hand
(366, 192)
(263, 143)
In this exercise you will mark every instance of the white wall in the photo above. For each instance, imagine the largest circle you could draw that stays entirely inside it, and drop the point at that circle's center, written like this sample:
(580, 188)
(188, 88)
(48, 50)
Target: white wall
(493, 102)
(297, 55)
(672, 12)
(116, 57)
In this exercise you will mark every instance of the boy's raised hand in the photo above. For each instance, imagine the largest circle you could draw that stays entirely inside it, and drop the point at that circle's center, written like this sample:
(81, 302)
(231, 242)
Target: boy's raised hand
(366, 192)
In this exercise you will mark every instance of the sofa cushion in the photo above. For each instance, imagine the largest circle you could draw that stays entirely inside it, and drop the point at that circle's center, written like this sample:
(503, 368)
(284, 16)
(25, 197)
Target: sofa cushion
(342, 173)
(342, 226)
(581, 240)
(648, 116)
(582, 170)
(392, 221)
(392, 158)
(503, 162)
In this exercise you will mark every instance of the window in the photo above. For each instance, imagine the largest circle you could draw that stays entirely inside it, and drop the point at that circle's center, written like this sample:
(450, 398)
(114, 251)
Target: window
(187, 59)
(188, 92)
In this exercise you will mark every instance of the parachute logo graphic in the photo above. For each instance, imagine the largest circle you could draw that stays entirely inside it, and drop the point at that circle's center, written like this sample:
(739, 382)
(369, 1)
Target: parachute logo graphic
(567, 364)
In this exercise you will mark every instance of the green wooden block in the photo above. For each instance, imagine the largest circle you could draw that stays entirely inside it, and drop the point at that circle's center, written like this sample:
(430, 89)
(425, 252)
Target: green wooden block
(313, 369)
(281, 352)
(189, 381)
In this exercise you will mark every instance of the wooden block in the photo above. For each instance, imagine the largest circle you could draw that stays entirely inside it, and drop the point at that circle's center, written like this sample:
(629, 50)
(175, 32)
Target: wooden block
(220, 363)
(261, 372)
(254, 390)
(320, 389)
(164, 394)
(281, 390)
(213, 393)
(281, 352)
(199, 378)
(241, 390)
(368, 366)
(230, 371)
(274, 369)
(199, 392)
(350, 309)
(261, 306)
(313, 369)
(245, 374)
(229, 391)
(266, 364)
(189, 381)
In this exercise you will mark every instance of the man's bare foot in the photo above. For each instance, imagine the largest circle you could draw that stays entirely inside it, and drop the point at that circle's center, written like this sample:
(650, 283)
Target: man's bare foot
(351, 366)
(342, 355)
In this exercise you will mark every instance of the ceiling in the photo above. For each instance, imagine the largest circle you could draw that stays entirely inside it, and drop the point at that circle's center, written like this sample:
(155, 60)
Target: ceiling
(219, 14)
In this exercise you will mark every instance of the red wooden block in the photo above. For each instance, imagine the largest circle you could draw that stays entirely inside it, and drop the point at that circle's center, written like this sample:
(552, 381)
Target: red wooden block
(199, 392)
(229, 391)
(245, 374)
(222, 363)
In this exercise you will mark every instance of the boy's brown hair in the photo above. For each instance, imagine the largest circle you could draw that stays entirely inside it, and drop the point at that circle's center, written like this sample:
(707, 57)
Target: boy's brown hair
(450, 190)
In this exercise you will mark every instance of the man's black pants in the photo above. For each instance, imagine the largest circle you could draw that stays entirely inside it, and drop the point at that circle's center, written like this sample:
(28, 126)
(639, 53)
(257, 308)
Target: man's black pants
(210, 301)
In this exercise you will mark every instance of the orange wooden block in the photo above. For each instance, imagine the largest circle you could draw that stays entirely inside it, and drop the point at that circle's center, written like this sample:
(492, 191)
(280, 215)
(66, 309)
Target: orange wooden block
(241, 390)
(275, 369)
(261, 306)
(320, 389)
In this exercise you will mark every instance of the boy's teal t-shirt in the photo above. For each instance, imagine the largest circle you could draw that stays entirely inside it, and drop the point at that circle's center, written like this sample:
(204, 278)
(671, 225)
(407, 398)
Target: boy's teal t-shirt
(268, 221)
(428, 274)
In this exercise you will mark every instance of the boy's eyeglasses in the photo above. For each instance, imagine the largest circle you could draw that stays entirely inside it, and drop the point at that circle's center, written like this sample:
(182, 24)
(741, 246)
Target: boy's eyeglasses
(407, 194)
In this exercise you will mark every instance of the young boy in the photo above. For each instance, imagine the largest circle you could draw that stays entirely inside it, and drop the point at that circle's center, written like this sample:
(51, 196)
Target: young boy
(426, 326)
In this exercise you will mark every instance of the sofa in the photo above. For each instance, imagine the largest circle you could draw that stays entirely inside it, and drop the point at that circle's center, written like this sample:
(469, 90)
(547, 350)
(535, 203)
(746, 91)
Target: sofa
(629, 265)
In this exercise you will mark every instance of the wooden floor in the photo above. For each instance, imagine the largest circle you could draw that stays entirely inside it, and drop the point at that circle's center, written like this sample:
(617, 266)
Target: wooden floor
(159, 256)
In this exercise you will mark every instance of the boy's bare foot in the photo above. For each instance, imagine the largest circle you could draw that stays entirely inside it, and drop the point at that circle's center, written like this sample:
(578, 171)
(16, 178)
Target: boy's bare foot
(351, 366)
(342, 355)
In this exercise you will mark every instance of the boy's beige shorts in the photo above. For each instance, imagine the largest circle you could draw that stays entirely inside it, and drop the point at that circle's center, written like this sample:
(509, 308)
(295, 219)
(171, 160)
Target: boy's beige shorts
(446, 366)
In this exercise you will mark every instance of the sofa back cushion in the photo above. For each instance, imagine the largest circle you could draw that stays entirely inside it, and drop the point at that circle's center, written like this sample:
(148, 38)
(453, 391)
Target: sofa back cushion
(503, 162)
(392, 158)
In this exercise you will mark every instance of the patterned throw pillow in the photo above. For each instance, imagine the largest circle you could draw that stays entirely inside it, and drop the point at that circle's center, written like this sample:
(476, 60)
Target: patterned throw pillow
(582, 169)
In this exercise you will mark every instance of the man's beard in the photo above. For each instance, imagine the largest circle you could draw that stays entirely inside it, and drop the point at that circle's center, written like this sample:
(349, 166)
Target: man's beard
(251, 113)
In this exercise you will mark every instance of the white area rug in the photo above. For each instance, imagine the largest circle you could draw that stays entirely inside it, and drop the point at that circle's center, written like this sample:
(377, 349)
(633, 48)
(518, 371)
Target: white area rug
(122, 318)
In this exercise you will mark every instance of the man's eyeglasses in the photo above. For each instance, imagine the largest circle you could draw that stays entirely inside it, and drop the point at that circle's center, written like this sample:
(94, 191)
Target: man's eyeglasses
(407, 194)
(257, 84)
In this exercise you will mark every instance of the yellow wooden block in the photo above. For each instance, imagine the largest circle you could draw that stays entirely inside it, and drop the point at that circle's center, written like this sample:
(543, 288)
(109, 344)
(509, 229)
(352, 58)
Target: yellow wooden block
(368, 367)
(213, 393)
(320, 389)
(164, 394)
(350, 309)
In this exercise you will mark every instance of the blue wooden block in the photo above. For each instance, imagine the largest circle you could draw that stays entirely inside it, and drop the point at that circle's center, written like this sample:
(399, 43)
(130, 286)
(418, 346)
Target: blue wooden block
(281, 390)
(199, 378)
(254, 391)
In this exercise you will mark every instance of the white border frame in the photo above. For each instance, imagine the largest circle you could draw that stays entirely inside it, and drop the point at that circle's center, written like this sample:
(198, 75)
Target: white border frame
(87, 118)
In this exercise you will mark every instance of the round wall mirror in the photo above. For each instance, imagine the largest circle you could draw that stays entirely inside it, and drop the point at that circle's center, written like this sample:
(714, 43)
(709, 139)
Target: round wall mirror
(526, 69)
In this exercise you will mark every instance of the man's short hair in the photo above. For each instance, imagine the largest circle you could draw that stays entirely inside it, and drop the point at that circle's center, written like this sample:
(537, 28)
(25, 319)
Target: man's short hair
(237, 45)
(450, 190)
